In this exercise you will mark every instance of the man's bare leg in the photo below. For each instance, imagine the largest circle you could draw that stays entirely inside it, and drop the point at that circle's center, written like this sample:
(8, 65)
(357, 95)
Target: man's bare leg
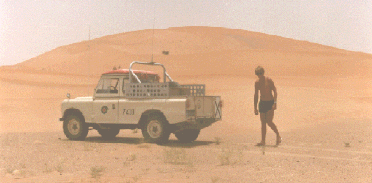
(269, 121)
(263, 117)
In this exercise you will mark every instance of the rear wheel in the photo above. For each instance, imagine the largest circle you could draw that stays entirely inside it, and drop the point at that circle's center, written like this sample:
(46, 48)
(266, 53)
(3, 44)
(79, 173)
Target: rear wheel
(156, 129)
(188, 135)
(75, 128)
(109, 133)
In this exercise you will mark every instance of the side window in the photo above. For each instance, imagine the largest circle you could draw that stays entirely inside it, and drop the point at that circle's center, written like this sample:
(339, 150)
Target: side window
(114, 85)
(125, 81)
(108, 85)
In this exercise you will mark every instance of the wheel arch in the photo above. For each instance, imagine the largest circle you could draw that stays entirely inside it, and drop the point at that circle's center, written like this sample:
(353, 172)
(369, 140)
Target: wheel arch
(146, 114)
(75, 112)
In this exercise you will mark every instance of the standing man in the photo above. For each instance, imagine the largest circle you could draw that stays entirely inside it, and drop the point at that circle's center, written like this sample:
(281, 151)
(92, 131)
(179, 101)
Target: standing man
(267, 104)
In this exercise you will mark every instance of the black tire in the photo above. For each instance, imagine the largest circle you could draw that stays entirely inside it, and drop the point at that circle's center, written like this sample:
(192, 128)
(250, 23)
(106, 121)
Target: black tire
(188, 135)
(75, 128)
(156, 129)
(109, 133)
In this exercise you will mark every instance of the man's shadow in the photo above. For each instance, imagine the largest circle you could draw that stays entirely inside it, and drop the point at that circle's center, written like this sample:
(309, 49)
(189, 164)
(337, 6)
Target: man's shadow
(265, 146)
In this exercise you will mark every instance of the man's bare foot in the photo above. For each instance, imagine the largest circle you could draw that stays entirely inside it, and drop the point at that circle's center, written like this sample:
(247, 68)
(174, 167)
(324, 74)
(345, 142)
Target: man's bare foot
(260, 144)
(278, 140)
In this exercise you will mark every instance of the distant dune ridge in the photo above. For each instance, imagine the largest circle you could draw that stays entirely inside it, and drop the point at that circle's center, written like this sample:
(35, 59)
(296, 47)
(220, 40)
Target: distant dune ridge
(204, 50)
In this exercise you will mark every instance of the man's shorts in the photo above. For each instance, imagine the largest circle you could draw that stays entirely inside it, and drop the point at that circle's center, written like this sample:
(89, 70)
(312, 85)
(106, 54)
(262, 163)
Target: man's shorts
(265, 106)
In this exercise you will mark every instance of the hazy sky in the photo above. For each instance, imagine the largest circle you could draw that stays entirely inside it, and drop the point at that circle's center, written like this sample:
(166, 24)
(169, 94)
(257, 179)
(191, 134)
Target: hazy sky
(31, 27)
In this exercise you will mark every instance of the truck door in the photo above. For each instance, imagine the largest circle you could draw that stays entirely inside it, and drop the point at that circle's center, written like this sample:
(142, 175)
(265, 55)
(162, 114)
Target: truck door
(106, 102)
(129, 110)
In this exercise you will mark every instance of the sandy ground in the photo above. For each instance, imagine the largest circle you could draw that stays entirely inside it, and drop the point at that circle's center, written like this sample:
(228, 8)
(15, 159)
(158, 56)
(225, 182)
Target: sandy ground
(323, 115)
(304, 156)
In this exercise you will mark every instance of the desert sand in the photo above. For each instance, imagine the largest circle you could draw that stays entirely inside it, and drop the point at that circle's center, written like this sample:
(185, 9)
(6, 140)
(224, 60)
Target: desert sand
(323, 112)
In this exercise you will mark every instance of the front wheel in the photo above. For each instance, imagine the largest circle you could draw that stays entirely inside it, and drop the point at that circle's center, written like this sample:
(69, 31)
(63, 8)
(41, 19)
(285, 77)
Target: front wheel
(156, 129)
(189, 135)
(75, 128)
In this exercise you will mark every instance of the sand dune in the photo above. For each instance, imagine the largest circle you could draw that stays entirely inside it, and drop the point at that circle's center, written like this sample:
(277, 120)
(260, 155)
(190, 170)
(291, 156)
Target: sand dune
(325, 93)
(202, 47)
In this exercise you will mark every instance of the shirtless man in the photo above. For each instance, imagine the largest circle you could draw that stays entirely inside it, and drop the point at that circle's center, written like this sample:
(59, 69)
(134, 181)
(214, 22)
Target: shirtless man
(267, 104)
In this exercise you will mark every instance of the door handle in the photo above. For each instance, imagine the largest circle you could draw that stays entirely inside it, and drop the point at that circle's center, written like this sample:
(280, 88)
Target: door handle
(113, 106)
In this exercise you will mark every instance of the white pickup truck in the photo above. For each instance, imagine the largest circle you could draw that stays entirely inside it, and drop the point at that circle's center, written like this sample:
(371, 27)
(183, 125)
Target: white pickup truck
(135, 99)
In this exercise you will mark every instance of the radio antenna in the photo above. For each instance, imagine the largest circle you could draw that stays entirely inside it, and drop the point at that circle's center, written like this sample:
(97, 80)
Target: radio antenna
(153, 33)
(89, 32)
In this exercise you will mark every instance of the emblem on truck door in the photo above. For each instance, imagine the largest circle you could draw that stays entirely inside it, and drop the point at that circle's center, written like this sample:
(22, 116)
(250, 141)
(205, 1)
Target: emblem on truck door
(104, 109)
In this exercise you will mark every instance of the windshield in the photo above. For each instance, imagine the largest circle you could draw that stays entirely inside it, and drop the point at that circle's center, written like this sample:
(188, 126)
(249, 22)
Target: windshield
(108, 85)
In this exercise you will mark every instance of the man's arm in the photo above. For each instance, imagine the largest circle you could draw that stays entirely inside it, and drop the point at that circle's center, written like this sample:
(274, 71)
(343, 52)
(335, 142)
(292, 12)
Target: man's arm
(255, 98)
(275, 94)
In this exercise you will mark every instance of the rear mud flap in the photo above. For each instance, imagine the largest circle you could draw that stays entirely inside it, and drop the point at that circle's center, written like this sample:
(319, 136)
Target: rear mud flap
(198, 124)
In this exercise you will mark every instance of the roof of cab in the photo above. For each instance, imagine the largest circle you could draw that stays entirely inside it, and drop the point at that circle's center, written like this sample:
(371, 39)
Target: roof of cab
(126, 71)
